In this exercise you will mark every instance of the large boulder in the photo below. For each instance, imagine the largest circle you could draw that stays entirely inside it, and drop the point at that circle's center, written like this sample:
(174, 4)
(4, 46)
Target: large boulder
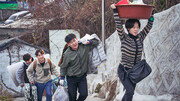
(162, 50)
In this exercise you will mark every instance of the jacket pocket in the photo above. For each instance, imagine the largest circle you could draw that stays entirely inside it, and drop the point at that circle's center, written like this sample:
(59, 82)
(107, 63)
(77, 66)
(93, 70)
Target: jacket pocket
(46, 71)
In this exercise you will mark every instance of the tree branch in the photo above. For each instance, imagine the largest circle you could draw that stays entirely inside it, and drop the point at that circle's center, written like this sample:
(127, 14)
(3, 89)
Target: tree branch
(8, 87)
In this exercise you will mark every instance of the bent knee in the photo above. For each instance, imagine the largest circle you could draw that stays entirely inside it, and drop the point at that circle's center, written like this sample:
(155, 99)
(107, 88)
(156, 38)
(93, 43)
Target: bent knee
(48, 94)
(84, 95)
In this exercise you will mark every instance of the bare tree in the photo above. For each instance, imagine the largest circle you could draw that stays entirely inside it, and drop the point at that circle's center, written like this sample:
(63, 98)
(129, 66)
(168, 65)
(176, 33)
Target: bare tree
(83, 16)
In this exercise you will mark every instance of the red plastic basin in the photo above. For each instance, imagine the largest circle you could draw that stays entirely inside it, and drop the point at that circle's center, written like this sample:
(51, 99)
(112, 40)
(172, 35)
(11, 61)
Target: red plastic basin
(134, 11)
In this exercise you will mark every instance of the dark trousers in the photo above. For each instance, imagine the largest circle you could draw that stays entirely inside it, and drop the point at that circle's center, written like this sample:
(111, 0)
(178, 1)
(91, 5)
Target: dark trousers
(128, 85)
(77, 83)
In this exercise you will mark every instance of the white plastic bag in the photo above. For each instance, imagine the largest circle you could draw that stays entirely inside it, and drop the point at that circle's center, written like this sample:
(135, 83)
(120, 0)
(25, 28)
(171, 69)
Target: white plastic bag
(137, 2)
(86, 38)
(61, 94)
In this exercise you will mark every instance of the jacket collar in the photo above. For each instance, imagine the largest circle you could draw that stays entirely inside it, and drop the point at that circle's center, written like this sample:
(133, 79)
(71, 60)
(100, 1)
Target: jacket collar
(132, 36)
(26, 64)
(72, 49)
(78, 47)
(39, 62)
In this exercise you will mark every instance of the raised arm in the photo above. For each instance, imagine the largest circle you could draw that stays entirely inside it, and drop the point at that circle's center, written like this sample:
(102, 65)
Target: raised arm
(92, 43)
(119, 22)
(148, 27)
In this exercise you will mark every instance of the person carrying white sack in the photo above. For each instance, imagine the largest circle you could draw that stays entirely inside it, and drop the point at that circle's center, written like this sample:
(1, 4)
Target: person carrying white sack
(74, 66)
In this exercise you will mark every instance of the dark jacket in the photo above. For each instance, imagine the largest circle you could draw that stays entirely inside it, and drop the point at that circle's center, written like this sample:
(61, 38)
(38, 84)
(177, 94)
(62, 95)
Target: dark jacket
(75, 62)
(21, 75)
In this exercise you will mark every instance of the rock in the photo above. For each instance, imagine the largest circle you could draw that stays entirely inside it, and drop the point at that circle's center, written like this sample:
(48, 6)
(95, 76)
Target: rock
(111, 95)
(108, 90)
(162, 50)
(98, 87)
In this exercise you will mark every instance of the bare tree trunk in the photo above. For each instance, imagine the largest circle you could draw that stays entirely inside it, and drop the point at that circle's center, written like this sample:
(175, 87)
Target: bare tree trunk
(10, 58)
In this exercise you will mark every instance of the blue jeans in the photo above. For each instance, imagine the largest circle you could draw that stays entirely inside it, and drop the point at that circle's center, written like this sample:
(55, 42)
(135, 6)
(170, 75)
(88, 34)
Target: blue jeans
(77, 83)
(40, 90)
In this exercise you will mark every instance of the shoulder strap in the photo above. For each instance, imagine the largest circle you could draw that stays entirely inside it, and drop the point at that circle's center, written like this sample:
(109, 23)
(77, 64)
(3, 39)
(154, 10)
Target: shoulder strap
(49, 61)
(24, 65)
(24, 68)
(34, 64)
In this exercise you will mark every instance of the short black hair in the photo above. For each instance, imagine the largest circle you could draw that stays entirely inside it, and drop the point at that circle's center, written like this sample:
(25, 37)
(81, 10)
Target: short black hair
(26, 57)
(130, 23)
(69, 37)
(39, 51)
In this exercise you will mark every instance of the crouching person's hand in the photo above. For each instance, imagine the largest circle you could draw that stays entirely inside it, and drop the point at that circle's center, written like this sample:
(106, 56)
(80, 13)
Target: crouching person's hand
(22, 84)
(61, 82)
(32, 82)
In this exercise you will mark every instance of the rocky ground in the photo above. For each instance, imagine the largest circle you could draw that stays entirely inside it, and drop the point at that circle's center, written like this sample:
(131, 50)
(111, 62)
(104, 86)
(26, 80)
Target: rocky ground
(89, 98)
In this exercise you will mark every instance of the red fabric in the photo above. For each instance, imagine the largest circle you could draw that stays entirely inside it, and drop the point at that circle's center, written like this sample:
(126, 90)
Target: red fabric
(122, 2)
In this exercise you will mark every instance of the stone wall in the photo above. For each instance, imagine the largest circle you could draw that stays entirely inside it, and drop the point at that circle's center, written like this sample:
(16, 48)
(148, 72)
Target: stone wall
(162, 49)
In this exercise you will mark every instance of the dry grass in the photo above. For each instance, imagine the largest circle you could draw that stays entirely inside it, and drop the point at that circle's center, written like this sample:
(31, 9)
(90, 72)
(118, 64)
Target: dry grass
(4, 94)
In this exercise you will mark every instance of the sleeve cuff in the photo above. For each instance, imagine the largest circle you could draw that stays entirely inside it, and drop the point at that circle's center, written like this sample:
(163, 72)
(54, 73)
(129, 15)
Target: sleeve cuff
(151, 19)
(115, 10)
(21, 84)
(90, 41)
(62, 77)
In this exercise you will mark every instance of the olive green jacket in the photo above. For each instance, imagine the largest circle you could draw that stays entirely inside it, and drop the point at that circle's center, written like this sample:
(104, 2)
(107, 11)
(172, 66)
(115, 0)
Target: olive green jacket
(75, 62)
